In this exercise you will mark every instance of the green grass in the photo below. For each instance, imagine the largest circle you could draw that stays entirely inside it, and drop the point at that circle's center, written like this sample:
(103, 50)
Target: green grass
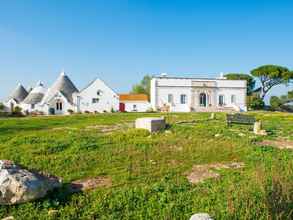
(149, 171)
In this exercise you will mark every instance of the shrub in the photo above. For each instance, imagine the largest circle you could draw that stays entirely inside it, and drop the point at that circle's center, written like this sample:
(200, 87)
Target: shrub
(17, 111)
(2, 107)
(150, 110)
(275, 103)
(70, 111)
(286, 108)
(256, 103)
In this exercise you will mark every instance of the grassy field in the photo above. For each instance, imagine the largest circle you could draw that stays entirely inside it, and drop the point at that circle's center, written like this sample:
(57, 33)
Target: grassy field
(148, 172)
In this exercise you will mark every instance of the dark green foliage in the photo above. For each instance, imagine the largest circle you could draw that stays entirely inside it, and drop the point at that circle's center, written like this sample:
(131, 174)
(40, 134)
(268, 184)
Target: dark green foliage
(275, 102)
(241, 76)
(280, 103)
(256, 103)
(290, 94)
(270, 76)
(2, 107)
(70, 111)
(144, 87)
(17, 111)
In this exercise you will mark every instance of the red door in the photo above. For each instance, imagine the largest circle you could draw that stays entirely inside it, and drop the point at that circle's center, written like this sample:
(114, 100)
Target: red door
(122, 107)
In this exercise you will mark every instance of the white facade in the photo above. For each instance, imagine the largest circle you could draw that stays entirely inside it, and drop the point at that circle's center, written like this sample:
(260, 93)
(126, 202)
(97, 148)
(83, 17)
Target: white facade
(10, 105)
(57, 105)
(192, 94)
(137, 106)
(96, 97)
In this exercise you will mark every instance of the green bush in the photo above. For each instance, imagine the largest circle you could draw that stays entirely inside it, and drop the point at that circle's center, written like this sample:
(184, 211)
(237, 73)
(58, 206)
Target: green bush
(2, 107)
(17, 111)
(275, 103)
(256, 103)
(70, 111)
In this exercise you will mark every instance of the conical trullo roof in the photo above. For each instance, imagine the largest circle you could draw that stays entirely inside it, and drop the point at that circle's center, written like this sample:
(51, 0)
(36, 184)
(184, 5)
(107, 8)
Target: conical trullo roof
(19, 94)
(64, 85)
(36, 95)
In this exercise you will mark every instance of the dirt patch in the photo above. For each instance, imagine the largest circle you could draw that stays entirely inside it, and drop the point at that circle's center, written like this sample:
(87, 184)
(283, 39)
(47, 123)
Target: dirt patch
(200, 173)
(108, 129)
(176, 148)
(174, 163)
(280, 144)
(64, 128)
(90, 184)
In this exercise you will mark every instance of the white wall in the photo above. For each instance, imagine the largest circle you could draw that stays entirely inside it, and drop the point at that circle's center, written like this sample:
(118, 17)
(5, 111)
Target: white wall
(52, 104)
(175, 106)
(240, 95)
(140, 106)
(108, 99)
(9, 103)
(28, 108)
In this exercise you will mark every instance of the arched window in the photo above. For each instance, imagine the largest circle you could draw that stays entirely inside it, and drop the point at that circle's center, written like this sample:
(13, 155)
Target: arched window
(203, 99)
(59, 106)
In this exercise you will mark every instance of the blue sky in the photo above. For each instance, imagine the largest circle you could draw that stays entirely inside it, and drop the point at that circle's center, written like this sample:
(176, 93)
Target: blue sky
(119, 41)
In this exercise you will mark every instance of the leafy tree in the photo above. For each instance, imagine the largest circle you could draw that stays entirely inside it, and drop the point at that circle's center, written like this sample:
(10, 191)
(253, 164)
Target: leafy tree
(275, 102)
(290, 94)
(241, 76)
(144, 87)
(256, 103)
(2, 107)
(279, 103)
(270, 76)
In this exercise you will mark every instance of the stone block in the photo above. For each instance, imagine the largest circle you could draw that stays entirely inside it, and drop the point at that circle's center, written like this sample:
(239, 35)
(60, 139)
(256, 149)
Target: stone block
(151, 124)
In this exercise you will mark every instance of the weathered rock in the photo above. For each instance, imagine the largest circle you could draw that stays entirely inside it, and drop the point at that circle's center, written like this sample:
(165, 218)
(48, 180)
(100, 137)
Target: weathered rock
(201, 216)
(18, 185)
(257, 129)
(151, 124)
(8, 218)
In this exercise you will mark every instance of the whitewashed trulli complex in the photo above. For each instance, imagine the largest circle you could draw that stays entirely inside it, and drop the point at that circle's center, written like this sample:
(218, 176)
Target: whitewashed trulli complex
(63, 97)
(180, 94)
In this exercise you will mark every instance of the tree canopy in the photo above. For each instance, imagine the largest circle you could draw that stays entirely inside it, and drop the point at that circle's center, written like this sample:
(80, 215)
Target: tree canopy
(241, 76)
(2, 107)
(270, 76)
(277, 102)
(143, 87)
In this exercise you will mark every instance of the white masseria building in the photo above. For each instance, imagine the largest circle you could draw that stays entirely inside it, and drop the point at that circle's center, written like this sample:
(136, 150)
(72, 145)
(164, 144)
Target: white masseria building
(180, 94)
